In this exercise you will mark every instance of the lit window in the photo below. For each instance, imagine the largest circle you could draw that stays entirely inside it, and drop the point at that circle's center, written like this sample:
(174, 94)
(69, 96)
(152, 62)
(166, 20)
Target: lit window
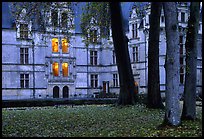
(65, 69)
(64, 46)
(55, 69)
(54, 45)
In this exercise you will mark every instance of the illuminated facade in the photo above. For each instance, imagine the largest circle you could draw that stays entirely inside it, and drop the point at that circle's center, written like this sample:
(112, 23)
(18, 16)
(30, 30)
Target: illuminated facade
(53, 65)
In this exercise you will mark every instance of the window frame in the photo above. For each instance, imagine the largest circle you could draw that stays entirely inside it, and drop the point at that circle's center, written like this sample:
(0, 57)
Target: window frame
(24, 80)
(94, 80)
(24, 56)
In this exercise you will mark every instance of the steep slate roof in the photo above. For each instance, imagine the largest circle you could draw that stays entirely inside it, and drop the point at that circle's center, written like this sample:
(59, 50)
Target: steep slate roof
(8, 20)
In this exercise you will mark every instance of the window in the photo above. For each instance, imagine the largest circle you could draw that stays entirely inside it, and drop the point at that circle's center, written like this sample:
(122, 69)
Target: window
(135, 54)
(65, 69)
(54, 45)
(182, 17)
(94, 80)
(93, 57)
(55, 69)
(24, 55)
(93, 36)
(64, 46)
(64, 20)
(24, 31)
(54, 16)
(114, 58)
(24, 80)
(162, 19)
(115, 80)
(134, 30)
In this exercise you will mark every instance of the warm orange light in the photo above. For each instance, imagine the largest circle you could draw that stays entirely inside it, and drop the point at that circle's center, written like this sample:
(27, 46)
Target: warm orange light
(65, 69)
(64, 46)
(55, 68)
(54, 45)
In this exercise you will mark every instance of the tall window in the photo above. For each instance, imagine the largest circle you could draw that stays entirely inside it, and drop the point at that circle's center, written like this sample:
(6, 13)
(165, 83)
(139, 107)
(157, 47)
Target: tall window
(134, 30)
(54, 16)
(55, 69)
(93, 36)
(181, 60)
(24, 55)
(94, 80)
(114, 57)
(64, 46)
(182, 17)
(65, 69)
(162, 19)
(24, 80)
(135, 54)
(64, 20)
(115, 80)
(93, 57)
(54, 45)
(23, 31)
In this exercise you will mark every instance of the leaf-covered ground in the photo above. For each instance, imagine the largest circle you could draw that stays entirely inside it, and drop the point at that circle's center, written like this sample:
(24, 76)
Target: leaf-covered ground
(92, 121)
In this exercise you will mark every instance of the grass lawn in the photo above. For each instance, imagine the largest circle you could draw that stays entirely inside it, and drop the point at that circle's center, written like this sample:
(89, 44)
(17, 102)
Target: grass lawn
(92, 121)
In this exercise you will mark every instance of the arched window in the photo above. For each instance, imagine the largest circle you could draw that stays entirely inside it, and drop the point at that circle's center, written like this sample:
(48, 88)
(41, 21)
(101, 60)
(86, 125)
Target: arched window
(54, 45)
(65, 69)
(64, 46)
(55, 69)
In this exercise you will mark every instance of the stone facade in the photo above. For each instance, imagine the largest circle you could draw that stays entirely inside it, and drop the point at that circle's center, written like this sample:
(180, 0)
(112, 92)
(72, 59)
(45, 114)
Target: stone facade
(91, 69)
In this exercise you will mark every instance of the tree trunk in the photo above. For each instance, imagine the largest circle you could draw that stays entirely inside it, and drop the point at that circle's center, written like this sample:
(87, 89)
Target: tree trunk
(154, 95)
(127, 95)
(189, 105)
(172, 112)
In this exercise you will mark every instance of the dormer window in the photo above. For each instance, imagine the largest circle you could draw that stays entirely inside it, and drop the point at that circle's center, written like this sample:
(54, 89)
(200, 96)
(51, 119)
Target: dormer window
(54, 16)
(93, 36)
(24, 31)
(134, 30)
(182, 17)
(64, 20)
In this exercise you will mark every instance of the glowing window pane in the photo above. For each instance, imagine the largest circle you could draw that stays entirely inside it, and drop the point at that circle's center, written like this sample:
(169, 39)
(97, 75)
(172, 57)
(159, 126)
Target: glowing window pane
(65, 69)
(64, 46)
(55, 69)
(54, 45)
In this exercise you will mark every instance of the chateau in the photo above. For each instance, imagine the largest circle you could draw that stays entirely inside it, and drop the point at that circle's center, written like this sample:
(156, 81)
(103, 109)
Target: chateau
(49, 64)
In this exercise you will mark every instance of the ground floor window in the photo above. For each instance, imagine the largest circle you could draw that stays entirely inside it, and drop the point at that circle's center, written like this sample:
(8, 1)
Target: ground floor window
(94, 80)
(24, 80)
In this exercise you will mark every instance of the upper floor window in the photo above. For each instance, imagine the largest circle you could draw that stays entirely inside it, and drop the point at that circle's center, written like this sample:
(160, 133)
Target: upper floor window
(64, 46)
(134, 30)
(54, 16)
(65, 69)
(162, 19)
(55, 69)
(24, 80)
(93, 57)
(135, 54)
(64, 20)
(24, 55)
(24, 31)
(182, 17)
(55, 45)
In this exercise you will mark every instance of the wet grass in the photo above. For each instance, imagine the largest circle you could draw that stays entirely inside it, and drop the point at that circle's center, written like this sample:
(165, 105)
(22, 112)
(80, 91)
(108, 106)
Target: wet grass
(92, 121)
